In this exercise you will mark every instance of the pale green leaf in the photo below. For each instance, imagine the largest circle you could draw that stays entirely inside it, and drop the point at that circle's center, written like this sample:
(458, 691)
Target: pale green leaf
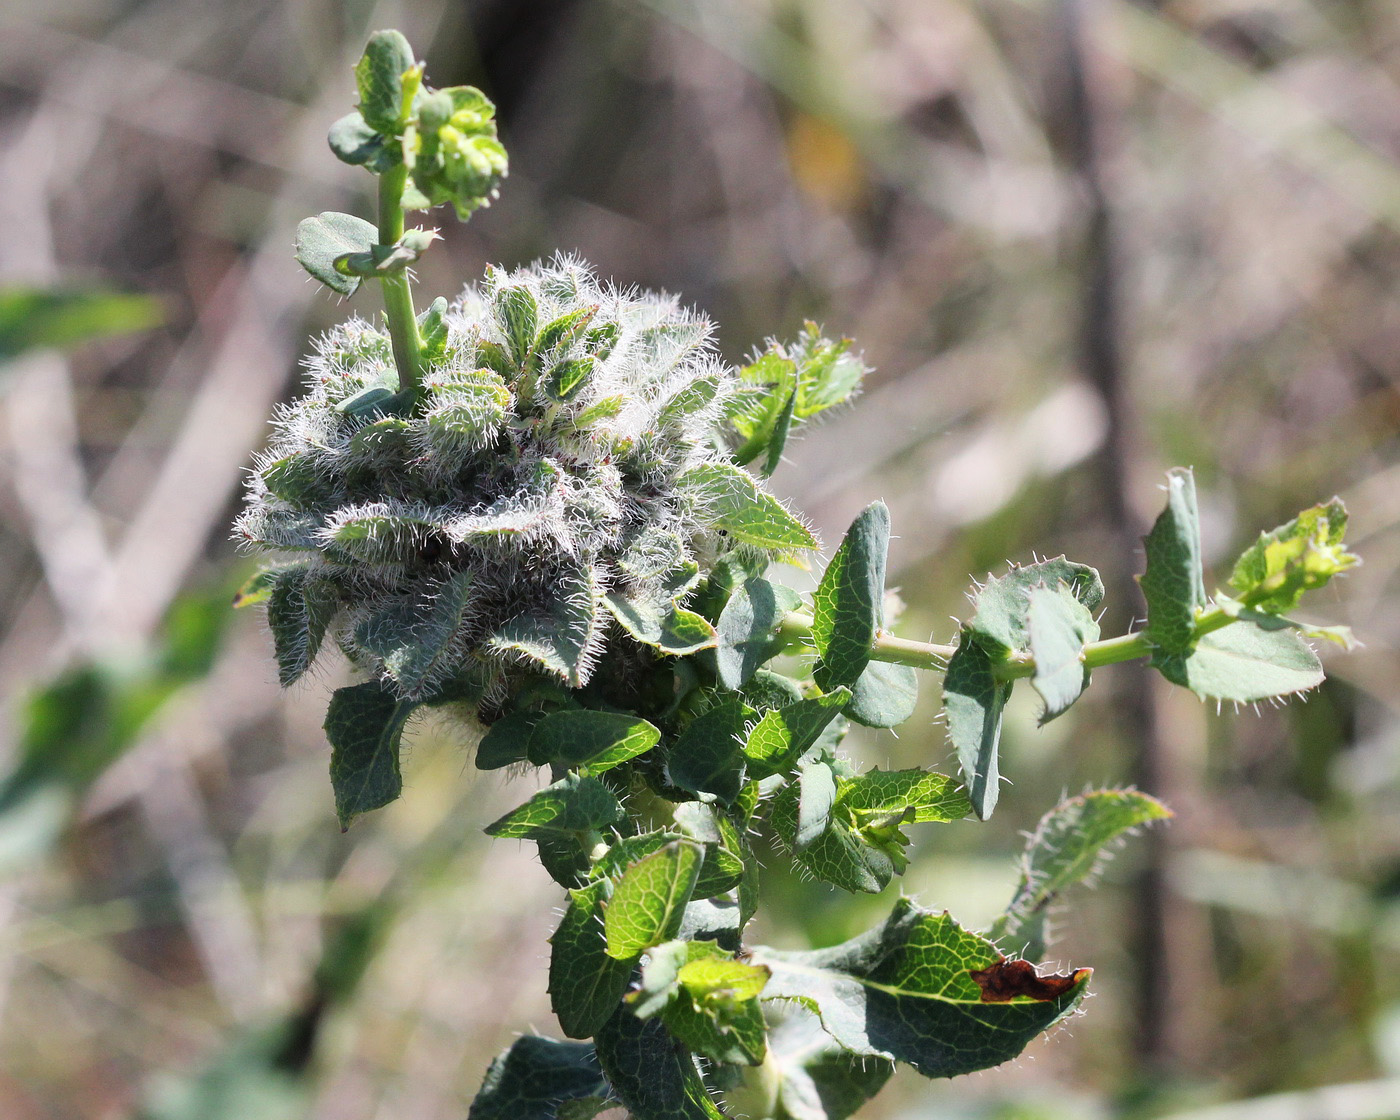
(884, 695)
(1243, 663)
(649, 900)
(1058, 626)
(327, 237)
(746, 628)
(1303, 555)
(733, 501)
(572, 804)
(784, 734)
(1000, 621)
(379, 77)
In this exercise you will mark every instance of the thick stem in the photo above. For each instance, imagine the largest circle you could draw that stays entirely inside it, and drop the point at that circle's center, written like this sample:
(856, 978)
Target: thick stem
(398, 296)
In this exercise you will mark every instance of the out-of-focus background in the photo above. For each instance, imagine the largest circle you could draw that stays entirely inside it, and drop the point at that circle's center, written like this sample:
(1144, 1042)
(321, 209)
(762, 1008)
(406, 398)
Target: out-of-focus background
(1080, 240)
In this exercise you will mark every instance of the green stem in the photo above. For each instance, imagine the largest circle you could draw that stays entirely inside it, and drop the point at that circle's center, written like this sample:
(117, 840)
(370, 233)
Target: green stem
(398, 296)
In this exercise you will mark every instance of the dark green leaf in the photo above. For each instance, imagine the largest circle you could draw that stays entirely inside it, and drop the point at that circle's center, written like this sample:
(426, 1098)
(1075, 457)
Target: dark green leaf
(655, 1077)
(300, 607)
(732, 500)
(563, 638)
(973, 699)
(848, 607)
(417, 639)
(586, 984)
(354, 142)
(784, 734)
(379, 76)
(1173, 584)
(746, 627)
(364, 724)
(708, 757)
(572, 804)
(908, 991)
(537, 1078)
(507, 741)
(596, 740)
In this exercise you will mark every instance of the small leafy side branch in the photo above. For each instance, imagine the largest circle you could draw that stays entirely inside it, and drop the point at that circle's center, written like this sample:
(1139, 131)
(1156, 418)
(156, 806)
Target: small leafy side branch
(541, 508)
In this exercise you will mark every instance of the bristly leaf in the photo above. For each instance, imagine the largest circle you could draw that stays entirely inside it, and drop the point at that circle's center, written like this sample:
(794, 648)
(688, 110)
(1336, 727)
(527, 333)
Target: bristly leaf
(572, 804)
(973, 699)
(415, 639)
(1243, 663)
(746, 627)
(667, 628)
(595, 740)
(1069, 846)
(708, 756)
(902, 991)
(653, 1075)
(784, 734)
(1274, 572)
(327, 237)
(816, 1078)
(1000, 621)
(543, 1079)
(1174, 583)
(586, 984)
(737, 505)
(649, 901)
(565, 639)
(364, 725)
(1058, 626)
(884, 695)
(847, 609)
(300, 606)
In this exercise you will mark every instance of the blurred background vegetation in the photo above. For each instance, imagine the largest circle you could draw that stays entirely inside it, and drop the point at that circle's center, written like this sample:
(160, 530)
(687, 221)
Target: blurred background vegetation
(1080, 241)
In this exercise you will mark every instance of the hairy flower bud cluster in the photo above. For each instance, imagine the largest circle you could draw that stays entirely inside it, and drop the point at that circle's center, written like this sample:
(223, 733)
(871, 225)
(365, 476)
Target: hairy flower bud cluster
(557, 484)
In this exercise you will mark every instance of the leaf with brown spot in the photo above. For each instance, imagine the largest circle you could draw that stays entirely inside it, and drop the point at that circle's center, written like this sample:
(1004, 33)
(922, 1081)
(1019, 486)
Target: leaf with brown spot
(1007, 980)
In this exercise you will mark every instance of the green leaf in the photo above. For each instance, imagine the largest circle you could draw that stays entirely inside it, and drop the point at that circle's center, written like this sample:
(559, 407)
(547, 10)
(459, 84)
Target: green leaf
(768, 392)
(716, 1011)
(507, 741)
(417, 638)
(565, 637)
(725, 850)
(257, 589)
(379, 261)
(816, 1078)
(354, 142)
(1059, 626)
(300, 480)
(1071, 845)
(538, 1078)
(884, 695)
(379, 77)
(518, 315)
(572, 804)
(827, 372)
(1002, 605)
(847, 609)
(453, 153)
(778, 442)
(586, 984)
(746, 627)
(670, 629)
(1173, 583)
(597, 741)
(973, 700)
(567, 378)
(816, 796)
(708, 756)
(432, 331)
(364, 724)
(1273, 573)
(324, 239)
(784, 734)
(300, 606)
(654, 1076)
(37, 318)
(732, 500)
(649, 900)
(1243, 663)
(909, 991)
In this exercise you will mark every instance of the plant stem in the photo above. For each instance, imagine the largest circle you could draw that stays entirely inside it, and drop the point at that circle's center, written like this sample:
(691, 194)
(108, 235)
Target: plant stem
(398, 296)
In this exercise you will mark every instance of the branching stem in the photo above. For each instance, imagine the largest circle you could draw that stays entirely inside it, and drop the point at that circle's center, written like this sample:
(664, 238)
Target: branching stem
(398, 296)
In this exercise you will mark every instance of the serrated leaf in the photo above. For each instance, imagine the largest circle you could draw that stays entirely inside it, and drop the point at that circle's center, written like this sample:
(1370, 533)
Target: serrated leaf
(364, 725)
(518, 314)
(565, 379)
(708, 756)
(1174, 583)
(973, 699)
(1058, 627)
(884, 695)
(573, 804)
(733, 501)
(379, 78)
(1069, 846)
(327, 237)
(1243, 663)
(300, 606)
(784, 734)
(586, 984)
(827, 372)
(816, 1078)
(1000, 621)
(1273, 573)
(538, 1078)
(655, 1077)
(668, 628)
(909, 991)
(649, 901)
(847, 609)
(597, 741)
(746, 627)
